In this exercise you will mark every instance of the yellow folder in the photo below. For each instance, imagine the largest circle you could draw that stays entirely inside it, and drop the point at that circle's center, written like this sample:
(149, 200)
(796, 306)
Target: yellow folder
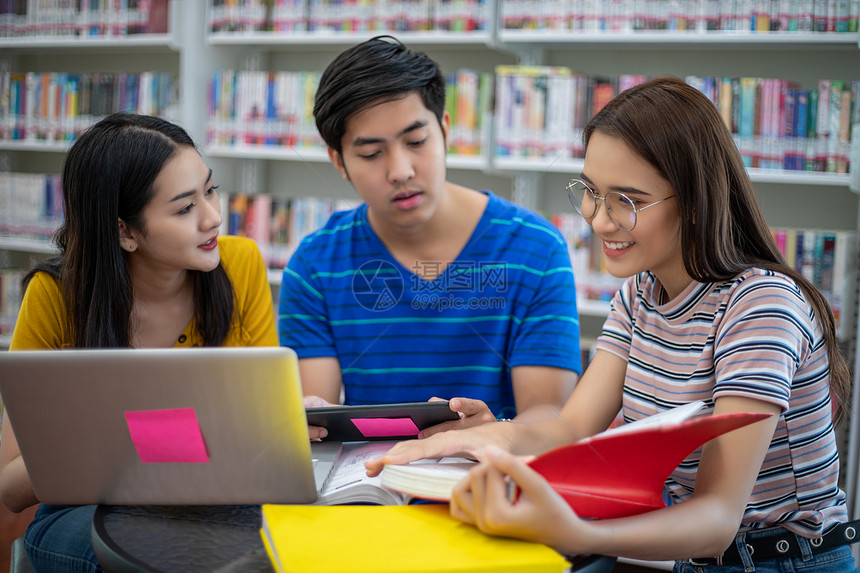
(380, 539)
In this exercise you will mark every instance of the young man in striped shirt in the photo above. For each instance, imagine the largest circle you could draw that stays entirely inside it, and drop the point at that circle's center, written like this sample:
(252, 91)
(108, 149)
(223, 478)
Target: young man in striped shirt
(428, 289)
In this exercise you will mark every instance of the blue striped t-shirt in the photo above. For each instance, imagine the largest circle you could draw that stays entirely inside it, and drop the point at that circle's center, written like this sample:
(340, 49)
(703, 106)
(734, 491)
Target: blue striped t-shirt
(507, 300)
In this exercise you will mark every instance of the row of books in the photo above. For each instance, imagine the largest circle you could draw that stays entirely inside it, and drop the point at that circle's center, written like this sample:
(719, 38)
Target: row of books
(277, 224)
(97, 18)
(284, 16)
(262, 108)
(468, 100)
(683, 16)
(276, 109)
(57, 106)
(826, 258)
(541, 111)
(613, 16)
(31, 205)
(82, 18)
(779, 125)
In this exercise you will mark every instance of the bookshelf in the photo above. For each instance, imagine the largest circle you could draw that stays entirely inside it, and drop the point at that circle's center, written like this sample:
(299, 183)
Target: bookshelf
(790, 199)
(189, 50)
(196, 53)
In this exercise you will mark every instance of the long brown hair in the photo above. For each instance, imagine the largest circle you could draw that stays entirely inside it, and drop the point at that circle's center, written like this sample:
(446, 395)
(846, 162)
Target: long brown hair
(676, 129)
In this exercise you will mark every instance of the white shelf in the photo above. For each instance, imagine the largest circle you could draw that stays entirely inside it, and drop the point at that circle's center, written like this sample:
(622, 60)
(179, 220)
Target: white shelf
(41, 146)
(680, 40)
(476, 162)
(318, 155)
(5, 341)
(278, 153)
(574, 166)
(329, 39)
(592, 308)
(149, 42)
(512, 165)
(27, 245)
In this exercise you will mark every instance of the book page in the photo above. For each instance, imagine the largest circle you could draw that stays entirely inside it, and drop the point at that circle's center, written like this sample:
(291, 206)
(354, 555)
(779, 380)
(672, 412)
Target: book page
(427, 479)
(349, 482)
(669, 417)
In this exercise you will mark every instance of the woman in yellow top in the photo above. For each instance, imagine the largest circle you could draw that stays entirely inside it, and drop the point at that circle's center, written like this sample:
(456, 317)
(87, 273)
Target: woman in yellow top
(141, 265)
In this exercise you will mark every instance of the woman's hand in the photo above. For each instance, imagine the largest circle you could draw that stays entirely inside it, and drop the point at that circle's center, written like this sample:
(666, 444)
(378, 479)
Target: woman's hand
(471, 412)
(468, 443)
(486, 499)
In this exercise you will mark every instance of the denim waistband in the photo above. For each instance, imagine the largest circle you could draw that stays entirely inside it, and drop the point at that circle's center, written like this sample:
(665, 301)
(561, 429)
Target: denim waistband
(763, 545)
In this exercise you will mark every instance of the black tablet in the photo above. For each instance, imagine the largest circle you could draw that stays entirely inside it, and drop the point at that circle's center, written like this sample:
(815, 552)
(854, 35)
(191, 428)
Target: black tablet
(379, 421)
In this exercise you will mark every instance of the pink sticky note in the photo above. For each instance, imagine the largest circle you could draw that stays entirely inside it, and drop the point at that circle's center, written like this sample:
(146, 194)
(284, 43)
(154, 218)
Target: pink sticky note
(167, 436)
(385, 427)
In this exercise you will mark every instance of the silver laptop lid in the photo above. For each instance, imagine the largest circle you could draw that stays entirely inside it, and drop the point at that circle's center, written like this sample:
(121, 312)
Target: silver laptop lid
(160, 426)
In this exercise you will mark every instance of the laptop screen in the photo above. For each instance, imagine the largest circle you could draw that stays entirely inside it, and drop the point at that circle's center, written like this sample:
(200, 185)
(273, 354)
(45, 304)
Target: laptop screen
(160, 426)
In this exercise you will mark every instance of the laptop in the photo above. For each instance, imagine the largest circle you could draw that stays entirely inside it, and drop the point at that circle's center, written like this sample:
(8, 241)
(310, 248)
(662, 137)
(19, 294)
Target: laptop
(208, 426)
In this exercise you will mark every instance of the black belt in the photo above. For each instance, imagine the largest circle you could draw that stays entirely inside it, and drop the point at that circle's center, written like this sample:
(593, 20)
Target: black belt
(784, 545)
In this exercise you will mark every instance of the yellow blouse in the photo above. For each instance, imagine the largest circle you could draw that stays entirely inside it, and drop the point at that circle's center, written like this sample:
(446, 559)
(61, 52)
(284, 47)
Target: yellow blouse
(42, 323)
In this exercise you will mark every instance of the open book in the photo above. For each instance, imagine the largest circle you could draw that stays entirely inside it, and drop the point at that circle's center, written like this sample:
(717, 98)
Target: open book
(348, 482)
(616, 473)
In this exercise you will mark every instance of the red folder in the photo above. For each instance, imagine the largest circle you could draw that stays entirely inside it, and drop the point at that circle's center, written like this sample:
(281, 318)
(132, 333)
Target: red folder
(616, 474)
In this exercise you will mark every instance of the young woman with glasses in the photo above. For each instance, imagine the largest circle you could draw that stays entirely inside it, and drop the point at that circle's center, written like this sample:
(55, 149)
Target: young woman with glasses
(710, 312)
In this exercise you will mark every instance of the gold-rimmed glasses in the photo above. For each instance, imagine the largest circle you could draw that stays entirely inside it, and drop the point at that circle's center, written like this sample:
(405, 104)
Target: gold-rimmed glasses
(622, 210)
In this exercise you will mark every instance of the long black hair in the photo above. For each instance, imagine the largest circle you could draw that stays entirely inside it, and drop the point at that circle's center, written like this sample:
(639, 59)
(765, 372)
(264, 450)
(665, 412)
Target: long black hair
(108, 176)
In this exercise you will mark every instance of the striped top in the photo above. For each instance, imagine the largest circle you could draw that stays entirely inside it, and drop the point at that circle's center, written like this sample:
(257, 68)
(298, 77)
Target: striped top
(507, 300)
(753, 336)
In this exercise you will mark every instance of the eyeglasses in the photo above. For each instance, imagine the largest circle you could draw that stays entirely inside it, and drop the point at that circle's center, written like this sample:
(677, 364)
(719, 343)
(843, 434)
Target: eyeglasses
(621, 209)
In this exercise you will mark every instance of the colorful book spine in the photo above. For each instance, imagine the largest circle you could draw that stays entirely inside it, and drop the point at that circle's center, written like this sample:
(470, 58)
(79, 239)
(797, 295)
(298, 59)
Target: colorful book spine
(746, 120)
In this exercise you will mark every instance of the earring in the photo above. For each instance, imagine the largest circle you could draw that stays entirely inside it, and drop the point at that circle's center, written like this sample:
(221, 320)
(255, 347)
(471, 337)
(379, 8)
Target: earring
(132, 247)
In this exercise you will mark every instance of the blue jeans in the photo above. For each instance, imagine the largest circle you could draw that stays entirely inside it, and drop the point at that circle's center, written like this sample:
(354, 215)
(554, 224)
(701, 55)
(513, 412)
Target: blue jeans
(58, 539)
(834, 560)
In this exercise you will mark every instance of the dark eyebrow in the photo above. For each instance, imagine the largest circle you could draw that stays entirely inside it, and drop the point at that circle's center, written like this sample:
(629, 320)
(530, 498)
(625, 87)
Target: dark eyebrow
(418, 124)
(624, 190)
(185, 194)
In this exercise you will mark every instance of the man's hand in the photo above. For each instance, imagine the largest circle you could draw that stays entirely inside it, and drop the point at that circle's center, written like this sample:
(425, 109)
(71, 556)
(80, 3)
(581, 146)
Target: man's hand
(315, 432)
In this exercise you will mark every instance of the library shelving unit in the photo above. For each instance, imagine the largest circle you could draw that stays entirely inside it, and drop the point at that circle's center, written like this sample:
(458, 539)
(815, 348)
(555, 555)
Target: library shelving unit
(193, 52)
(790, 199)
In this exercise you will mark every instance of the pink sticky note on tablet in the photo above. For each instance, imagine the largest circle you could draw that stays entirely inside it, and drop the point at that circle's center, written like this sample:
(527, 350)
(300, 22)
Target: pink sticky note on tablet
(385, 427)
(167, 436)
